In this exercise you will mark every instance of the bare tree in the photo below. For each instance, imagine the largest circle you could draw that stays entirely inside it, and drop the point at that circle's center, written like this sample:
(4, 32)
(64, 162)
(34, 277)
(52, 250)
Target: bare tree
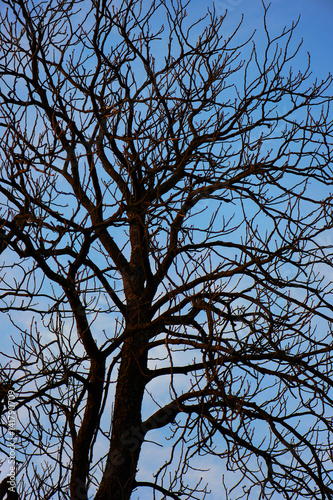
(166, 217)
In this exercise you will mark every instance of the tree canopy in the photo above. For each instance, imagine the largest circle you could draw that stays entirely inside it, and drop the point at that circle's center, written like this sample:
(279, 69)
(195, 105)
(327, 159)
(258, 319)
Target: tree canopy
(166, 217)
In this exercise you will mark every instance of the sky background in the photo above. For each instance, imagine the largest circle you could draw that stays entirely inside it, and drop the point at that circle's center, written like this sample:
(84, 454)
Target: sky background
(315, 25)
(315, 28)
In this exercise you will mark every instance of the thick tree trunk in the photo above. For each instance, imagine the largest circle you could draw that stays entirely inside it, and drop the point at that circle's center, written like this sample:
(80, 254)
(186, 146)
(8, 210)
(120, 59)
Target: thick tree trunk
(126, 438)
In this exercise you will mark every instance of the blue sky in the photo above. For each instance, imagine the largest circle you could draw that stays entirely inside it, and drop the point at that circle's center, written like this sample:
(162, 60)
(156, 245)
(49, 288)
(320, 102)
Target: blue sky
(316, 31)
(315, 26)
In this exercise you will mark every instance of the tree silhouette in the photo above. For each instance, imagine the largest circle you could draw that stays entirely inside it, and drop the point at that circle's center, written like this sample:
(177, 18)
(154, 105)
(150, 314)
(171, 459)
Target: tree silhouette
(166, 212)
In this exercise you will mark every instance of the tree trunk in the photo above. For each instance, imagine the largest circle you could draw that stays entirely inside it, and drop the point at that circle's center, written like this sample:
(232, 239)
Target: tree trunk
(126, 437)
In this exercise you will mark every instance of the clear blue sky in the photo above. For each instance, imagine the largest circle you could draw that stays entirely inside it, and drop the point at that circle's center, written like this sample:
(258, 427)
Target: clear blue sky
(315, 25)
(315, 28)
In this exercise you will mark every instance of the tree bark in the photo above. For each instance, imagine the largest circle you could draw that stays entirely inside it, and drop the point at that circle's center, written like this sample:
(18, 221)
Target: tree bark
(126, 438)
